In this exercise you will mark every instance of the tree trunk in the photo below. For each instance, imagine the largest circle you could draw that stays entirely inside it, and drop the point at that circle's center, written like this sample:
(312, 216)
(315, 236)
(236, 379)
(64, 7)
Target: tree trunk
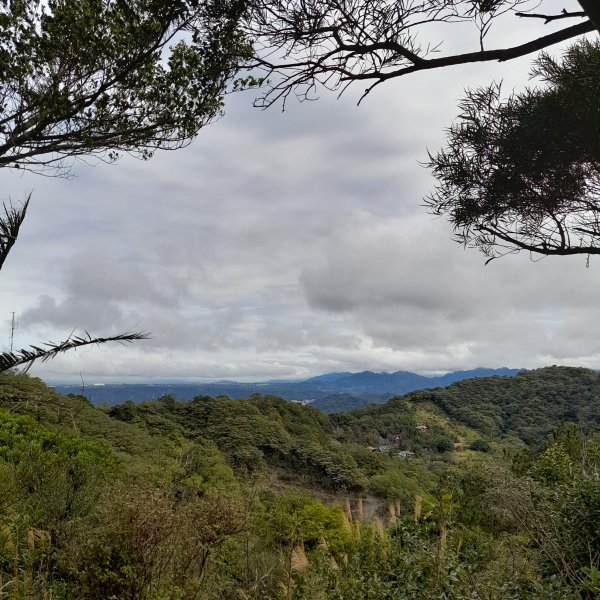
(592, 10)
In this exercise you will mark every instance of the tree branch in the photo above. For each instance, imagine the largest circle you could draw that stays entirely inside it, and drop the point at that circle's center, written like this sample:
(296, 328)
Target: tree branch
(501, 55)
(592, 10)
(549, 18)
(541, 248)
(9, 360)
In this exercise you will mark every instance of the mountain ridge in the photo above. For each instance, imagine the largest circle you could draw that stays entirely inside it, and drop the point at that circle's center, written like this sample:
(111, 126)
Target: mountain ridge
(361, 388)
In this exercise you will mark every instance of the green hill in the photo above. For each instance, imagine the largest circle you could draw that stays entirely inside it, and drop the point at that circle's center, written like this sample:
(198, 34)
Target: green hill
(528, 406)
(428, 496)
(293, 443)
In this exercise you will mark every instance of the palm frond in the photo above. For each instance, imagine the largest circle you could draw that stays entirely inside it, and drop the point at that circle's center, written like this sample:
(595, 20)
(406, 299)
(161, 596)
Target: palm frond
(10, 223)
(49, 350)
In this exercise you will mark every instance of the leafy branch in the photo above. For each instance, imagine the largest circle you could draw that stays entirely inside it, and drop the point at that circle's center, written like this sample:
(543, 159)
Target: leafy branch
(10, 223)
(9, 360)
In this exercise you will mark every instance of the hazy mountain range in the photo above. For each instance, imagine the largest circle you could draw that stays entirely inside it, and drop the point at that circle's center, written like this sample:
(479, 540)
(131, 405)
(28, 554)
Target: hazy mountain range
(329, 392)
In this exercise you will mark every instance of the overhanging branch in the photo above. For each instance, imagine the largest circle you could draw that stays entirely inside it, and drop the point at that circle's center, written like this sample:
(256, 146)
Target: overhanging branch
(9, 360)
(500, 55)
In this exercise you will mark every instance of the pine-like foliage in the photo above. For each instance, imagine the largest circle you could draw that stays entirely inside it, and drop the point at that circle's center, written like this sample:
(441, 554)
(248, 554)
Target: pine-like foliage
(524, 173)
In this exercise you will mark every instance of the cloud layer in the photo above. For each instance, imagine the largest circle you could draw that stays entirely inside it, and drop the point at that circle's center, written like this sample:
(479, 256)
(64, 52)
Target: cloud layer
(286, 245)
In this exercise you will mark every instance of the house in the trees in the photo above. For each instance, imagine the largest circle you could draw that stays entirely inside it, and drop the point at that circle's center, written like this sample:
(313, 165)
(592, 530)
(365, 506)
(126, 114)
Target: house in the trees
(405, 454)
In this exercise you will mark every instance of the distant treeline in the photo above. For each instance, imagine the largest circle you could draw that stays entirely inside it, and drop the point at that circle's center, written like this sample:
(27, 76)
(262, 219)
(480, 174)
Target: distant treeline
(329, 393)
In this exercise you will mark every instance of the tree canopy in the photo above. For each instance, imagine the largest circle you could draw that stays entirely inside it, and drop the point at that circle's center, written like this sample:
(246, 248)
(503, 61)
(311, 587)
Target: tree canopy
(93, 77)
(524, 173)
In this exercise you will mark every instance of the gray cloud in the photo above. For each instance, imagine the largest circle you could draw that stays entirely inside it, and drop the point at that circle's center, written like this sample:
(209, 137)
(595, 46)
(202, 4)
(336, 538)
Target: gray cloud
(409, 289)
(286, 245)
(82, 313)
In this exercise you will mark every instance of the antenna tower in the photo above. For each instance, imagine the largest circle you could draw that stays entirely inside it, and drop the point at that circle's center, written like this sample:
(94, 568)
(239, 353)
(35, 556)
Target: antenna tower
(13, 326)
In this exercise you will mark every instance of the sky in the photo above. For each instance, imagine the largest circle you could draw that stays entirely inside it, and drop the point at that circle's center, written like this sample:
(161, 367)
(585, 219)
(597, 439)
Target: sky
(282, 245)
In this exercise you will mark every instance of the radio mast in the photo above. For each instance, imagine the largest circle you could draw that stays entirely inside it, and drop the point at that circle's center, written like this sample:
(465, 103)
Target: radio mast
(13, 325)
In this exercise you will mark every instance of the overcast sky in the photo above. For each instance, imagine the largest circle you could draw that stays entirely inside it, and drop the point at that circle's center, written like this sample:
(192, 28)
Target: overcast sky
(284, 245)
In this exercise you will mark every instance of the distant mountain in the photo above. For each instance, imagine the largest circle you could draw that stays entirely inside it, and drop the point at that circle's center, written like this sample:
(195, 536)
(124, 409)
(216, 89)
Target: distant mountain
(404, 381)
(400, 382)
(360, 389)
(331, 392)
(328, 377)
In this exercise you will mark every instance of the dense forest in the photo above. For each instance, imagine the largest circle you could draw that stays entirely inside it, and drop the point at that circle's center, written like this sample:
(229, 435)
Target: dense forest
(528, 406)
(486, 489)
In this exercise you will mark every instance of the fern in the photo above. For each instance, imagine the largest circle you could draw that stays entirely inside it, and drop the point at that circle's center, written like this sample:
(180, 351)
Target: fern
(49, 350)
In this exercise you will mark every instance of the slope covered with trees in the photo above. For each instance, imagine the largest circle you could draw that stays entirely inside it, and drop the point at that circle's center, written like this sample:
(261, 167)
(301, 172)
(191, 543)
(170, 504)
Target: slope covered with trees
(528, 406)
(262, 498)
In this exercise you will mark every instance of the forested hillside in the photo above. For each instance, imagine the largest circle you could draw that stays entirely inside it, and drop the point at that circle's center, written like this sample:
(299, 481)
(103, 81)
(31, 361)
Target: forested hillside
(266, 499)
(294, 443)
(529, 405)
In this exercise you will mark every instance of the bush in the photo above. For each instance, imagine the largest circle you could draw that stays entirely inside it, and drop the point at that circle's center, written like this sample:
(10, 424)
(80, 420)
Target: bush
(480, 446)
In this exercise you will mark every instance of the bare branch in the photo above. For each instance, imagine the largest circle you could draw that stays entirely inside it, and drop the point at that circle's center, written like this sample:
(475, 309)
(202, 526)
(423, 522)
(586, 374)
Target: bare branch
(549, 18)
(301, 45)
